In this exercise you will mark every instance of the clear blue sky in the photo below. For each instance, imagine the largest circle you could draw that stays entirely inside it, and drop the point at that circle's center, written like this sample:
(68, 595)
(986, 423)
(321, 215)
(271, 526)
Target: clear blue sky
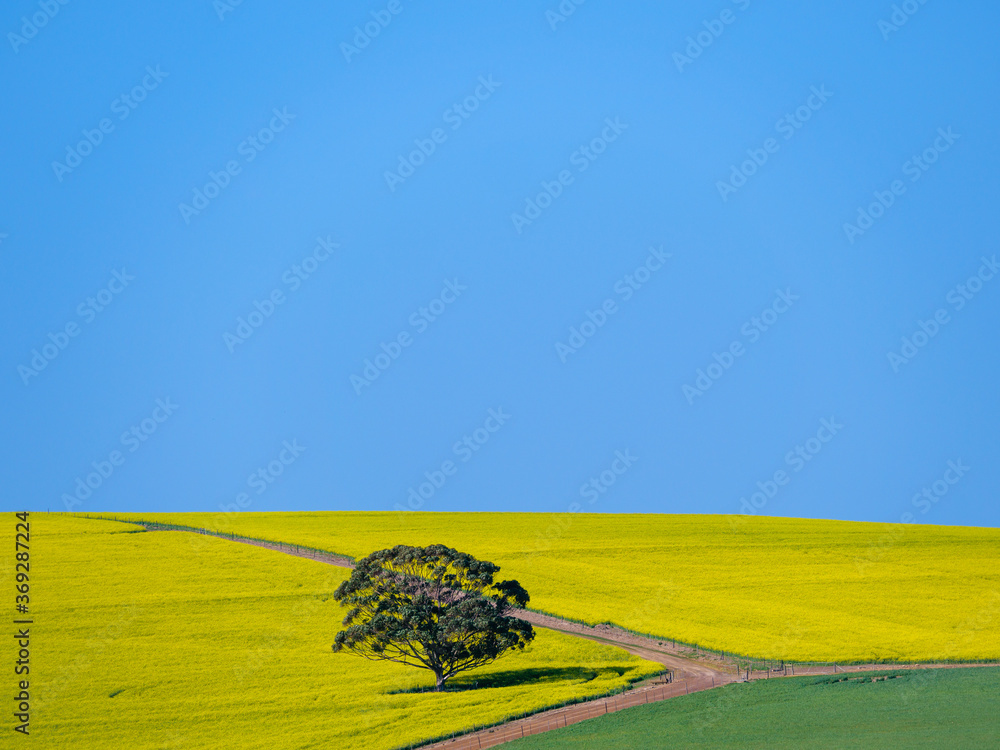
(228, 156)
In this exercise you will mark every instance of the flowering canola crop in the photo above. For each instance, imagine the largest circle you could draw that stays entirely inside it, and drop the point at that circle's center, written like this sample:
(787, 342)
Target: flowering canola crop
(781, 588)
(145, 640)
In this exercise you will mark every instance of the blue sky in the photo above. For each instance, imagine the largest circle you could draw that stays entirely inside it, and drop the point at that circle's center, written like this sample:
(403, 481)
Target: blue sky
(629, 258)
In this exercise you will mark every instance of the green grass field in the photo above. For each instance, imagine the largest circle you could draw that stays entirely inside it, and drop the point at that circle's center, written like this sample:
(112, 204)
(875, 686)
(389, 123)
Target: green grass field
(140, 643)
(946, 708)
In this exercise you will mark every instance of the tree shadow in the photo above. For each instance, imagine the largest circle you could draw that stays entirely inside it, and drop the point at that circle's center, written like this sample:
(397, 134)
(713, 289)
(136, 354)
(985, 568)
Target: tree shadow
(514, 677)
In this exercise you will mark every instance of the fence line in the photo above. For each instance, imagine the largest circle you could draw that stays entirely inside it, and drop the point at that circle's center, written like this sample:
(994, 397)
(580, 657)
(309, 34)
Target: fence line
(301, 551)
(512, 728)
(741, 661)
(558, 718)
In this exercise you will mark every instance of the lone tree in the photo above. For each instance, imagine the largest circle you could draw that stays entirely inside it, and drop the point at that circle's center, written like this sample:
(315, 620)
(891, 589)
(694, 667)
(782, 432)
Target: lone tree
(430, 607)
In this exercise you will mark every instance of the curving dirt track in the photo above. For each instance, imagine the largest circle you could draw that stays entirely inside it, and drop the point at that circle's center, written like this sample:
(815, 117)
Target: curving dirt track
(689, 675)
(562, 717)
(661, 652)
(647, 648)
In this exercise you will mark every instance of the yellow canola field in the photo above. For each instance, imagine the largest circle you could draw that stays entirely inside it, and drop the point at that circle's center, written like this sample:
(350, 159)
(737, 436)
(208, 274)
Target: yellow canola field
(141, 642)
(806, 590)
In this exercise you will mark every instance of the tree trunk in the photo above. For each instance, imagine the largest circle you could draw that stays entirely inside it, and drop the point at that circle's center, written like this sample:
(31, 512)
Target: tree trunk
(439, 685)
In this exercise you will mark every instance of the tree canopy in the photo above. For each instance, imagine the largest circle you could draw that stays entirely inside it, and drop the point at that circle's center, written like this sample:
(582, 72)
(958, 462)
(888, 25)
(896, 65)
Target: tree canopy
(431, 607)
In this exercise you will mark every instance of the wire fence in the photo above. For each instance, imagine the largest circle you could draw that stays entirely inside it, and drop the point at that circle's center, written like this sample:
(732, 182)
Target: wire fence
(757, 666)
(738, 668)
(538, 723)
(292, 549)
(727, 660)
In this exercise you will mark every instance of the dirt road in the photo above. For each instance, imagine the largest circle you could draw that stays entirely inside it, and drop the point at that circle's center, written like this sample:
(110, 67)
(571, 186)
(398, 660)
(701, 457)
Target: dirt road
(662, 652)
(692, 671)
(646, 648)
